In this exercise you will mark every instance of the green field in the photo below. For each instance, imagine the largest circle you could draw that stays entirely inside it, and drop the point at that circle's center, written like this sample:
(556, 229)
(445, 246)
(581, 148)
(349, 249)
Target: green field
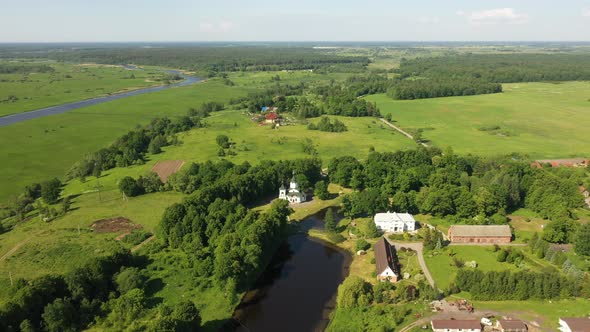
(69, 83)
(542, 120)
(440, 262)
(47, 147)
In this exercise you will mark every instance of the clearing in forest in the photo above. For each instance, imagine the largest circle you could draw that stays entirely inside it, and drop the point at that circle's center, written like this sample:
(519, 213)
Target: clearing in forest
(166, 168)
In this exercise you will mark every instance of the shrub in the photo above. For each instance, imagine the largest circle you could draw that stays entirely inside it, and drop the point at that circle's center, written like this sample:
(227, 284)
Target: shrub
(362, 244)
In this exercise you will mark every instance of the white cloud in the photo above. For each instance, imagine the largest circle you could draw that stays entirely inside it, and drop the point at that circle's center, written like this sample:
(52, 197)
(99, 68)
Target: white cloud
(586, 12)
(495, 16)
(216, 27)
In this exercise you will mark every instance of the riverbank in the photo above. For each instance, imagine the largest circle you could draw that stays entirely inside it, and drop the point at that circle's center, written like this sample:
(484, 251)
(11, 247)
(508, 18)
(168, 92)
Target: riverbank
(63, 108)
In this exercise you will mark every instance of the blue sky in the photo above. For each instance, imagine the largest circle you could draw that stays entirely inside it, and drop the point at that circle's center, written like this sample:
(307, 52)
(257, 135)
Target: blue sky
(294, 20)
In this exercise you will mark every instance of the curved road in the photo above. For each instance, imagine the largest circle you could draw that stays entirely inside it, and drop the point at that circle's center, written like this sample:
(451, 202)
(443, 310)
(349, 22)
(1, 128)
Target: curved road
(19, 117)
(418, 248)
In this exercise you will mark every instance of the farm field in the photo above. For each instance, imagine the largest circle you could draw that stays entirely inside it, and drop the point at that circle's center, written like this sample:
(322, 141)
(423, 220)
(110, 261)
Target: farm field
(541, 120)
(68, 83)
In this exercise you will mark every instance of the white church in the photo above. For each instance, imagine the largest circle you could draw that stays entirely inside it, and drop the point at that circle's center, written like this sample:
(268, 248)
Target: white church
(393, 222)
(294, 194)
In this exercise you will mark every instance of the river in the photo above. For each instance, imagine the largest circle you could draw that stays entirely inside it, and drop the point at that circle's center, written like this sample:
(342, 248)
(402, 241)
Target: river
(297, 292)
(58, 109)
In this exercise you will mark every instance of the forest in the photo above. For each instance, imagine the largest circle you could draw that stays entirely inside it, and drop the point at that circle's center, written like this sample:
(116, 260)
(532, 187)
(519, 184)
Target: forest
(209, 59)
(500, 68)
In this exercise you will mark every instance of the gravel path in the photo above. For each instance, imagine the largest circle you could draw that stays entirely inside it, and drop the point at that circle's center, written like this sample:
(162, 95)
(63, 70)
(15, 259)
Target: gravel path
(418, 248)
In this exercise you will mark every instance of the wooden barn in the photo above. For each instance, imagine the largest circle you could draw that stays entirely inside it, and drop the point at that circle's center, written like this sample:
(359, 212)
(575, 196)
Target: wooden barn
(492, 234)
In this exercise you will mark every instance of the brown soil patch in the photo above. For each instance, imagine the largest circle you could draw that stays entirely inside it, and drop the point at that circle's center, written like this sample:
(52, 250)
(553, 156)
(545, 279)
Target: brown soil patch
(166, 168)
(114, 225)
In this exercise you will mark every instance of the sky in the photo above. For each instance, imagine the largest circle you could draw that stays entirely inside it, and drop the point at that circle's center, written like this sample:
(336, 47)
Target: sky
(293, 20)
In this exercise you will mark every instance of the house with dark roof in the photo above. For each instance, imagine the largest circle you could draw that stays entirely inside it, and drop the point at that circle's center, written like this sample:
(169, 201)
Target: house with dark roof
(456, 325)
(574, 324)
(511, 325)
(492, 234)
(386, 261)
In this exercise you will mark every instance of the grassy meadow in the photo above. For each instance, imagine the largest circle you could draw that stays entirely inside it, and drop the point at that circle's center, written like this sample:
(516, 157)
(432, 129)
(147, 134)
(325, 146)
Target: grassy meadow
(541, 120)
(69, 83)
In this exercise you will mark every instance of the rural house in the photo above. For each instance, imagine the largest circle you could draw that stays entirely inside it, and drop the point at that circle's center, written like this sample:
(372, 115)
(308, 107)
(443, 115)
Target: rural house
(386, 261)
(511, 325)
(574, 324)
(294, 194)
(395, 222)
(456, 325)
(271, 117)
(480, 234)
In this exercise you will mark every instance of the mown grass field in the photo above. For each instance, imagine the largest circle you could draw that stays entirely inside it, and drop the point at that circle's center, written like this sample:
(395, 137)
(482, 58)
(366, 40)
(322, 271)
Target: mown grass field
(68, 83)
(541, 120)
(440, 262)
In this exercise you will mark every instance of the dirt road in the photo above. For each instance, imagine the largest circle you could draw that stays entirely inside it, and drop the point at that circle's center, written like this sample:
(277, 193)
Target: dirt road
(403, 132)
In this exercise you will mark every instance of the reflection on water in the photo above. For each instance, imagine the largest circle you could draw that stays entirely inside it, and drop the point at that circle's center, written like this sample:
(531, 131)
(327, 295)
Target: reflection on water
(298, 290)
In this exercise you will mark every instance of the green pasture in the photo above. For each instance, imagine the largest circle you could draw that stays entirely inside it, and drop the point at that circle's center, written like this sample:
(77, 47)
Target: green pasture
(254, 142)
(541, 120)
(69, 83)
(36, 150)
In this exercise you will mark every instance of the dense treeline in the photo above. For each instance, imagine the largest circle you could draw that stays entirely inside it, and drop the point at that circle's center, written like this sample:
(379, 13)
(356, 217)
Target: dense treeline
(211, 59)
(522, 285)
(130, 148)
(225, 241)
(434, 88)
(469, 189)
(24, 68)
(108, 290)
(500, 68)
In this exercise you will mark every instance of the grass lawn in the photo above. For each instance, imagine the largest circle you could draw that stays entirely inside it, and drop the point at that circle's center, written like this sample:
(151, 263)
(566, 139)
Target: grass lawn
(538, 119)
(441, 266)
(525, 223)
(545, 313)
(68, 83)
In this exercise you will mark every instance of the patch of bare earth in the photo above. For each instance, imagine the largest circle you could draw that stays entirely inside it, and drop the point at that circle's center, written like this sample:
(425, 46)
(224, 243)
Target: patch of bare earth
(114, 225)
(166, 168)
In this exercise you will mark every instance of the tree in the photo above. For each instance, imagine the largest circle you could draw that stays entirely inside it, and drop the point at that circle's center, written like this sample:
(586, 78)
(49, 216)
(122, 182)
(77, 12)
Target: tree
(321, 190)
(222, 141)
(329, 220)
(156, 144)
(128, 279)
(128, 307)
(187, 316)
(65, 205)
(50, 191)
(372, 231)
(60, 315)
(559, 231)
(582, 240)
(353, 292)
(362, 244)
(129, 187)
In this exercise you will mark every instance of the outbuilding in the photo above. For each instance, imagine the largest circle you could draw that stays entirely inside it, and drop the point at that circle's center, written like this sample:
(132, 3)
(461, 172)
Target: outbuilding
(574, 324)
(491, 234)
(386, 261)
(511, 325)
(456, 325)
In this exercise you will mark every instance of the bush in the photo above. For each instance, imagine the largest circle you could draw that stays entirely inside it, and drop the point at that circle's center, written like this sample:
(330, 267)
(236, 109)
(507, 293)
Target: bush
(130, 187)
(362, 244)
(354, 292)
